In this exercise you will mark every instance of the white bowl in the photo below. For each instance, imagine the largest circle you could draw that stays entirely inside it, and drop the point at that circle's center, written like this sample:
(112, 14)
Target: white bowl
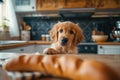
(99, 38)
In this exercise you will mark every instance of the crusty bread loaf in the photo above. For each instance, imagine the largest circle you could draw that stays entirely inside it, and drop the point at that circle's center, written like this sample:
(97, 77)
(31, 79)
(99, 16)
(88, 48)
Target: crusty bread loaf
(68, 66)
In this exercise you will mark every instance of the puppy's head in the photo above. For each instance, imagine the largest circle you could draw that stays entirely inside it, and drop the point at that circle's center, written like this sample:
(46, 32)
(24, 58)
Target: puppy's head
(66, 33)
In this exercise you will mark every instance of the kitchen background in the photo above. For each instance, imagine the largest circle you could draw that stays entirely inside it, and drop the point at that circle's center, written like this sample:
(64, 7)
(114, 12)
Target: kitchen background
(41, 15)
(28, 20)
(42, 25)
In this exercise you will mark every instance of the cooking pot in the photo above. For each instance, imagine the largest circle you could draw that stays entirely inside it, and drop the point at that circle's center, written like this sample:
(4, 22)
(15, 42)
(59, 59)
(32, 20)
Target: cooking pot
(116, 32)
(118, 24)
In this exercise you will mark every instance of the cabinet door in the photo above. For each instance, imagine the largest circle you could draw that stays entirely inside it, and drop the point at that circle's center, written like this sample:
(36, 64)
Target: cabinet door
(49, 5)
(108, 49)
(25, 49)
(40, 48)
(57, 4)
(15, 50)
(107, 4)
(24, 5)
(100, 49)
(28, 49)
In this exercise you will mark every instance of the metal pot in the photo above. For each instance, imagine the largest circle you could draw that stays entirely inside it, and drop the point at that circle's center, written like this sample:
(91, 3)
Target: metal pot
(118, 24)
(115, 35)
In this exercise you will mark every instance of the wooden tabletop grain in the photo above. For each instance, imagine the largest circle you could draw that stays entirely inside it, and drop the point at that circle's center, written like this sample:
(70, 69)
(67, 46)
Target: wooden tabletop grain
(111, 60)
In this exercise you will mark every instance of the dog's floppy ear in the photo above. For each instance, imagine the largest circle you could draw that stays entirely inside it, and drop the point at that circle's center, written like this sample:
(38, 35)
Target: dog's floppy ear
(79, 37)
(54, 33)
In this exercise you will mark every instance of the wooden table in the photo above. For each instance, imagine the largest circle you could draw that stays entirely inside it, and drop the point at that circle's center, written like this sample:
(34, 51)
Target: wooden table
(110, 60)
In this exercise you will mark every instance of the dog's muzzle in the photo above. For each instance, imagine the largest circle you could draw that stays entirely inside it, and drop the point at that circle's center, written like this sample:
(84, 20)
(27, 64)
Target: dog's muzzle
(64, 41)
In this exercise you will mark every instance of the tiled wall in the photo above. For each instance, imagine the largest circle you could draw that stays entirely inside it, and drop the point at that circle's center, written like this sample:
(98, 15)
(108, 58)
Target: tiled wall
(42, 25)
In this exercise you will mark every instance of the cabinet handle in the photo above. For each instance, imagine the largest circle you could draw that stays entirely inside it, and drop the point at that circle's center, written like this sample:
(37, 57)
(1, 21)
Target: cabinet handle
(33, 7)
(21, 49)
(101, 47)
(86, 48)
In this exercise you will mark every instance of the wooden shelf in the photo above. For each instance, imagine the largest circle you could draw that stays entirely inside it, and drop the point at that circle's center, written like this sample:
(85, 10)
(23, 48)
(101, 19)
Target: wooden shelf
(57, 4)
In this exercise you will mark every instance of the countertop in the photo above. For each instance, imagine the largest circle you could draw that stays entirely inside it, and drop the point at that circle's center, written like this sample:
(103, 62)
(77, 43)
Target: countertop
(26, 43)
(108, 43)
(112, 61)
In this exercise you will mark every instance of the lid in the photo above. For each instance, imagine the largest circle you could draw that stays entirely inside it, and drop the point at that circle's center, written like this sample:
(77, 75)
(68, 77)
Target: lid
(118, 24)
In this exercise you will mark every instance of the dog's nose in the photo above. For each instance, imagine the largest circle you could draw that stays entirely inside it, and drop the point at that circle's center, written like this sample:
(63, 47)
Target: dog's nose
(64, 41)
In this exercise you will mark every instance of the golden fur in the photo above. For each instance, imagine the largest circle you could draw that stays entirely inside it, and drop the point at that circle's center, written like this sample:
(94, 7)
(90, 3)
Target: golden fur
(68, 30)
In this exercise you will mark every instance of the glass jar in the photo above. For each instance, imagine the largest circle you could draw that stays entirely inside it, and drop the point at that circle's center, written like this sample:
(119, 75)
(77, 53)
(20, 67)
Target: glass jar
(43, 37)
(25, 35)
(47, 37)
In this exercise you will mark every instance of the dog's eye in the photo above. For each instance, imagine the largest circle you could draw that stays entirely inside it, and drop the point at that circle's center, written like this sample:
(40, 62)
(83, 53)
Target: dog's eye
(61, 30)
(71, 32)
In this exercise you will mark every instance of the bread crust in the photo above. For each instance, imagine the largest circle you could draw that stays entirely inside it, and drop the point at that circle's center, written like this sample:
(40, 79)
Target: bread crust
(66, 66)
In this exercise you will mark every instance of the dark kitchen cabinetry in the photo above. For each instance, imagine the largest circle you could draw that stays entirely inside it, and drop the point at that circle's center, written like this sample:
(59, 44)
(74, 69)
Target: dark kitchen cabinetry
(89, 48)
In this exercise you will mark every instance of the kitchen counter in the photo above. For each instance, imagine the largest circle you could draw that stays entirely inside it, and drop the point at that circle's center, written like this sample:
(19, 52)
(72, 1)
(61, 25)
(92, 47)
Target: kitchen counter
(26, 43)
(111, 60)
(108, 43)
(101, 43)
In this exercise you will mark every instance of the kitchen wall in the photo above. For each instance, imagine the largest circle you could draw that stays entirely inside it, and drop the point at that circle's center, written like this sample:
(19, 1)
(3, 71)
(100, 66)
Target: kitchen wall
(42, 25)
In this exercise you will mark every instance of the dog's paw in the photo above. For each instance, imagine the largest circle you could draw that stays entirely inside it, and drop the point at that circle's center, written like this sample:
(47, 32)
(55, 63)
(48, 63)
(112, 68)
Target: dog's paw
(49, 51)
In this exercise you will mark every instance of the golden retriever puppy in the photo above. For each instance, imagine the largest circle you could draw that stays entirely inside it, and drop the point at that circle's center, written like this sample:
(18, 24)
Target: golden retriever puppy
(65, 37)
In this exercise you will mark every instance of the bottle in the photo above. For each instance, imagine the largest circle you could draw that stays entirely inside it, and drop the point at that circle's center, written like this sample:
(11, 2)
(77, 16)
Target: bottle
(94, 32)
(43, 37)
(47, 37)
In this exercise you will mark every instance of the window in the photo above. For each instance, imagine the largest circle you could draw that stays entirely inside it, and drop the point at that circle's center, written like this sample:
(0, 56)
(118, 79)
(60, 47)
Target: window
(7, 11)
(0, 16)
